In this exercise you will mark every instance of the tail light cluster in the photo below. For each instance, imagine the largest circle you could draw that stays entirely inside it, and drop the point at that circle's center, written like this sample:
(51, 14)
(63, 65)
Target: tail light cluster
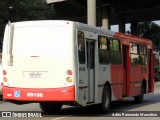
(69, 73)
(4, 78)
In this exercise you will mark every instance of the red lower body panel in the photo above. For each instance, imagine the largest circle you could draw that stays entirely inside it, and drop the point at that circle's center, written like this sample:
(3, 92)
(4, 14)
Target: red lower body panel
(39, 94)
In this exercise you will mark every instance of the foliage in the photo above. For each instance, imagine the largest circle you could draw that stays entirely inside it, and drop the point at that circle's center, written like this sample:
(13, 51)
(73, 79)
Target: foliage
(150, 30)
(23, 10)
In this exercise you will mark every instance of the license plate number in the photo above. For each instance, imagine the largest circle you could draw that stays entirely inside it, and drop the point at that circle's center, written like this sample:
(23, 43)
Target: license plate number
(35, 75)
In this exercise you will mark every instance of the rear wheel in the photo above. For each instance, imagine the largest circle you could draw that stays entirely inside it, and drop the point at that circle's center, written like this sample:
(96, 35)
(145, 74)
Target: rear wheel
(140, 98)
(106, 100)
(50, 107)
(1, 97)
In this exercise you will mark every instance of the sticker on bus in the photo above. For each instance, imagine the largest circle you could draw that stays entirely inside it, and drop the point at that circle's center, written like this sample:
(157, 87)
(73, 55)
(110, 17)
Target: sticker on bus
(17, 94)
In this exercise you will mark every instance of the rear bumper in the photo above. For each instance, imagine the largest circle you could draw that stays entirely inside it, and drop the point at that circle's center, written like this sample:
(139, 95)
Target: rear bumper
(39, 94)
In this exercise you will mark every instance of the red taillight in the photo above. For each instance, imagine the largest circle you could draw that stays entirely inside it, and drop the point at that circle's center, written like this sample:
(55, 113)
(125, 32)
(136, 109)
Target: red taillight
(4, 72)
(69, 72)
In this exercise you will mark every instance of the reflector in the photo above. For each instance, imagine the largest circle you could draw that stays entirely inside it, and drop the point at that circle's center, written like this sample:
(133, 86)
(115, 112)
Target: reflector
(4, 72)
(69, 72)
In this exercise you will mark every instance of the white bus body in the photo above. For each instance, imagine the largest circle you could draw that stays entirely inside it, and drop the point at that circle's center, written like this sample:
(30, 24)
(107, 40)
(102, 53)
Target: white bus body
(37, 56)
(58, 62)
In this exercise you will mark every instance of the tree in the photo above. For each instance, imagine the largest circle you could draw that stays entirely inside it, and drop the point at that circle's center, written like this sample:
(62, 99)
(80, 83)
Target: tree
(30, 10)
(24, 10)
(149, 30)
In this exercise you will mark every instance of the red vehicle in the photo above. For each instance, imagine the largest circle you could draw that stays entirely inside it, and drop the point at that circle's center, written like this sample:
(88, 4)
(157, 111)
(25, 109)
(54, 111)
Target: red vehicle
(137, 70)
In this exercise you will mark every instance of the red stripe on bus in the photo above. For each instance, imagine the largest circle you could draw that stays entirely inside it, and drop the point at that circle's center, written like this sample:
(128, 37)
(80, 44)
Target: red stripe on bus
(39, 94)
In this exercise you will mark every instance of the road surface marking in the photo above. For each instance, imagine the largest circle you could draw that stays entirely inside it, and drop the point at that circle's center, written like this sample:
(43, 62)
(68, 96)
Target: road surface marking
(59, 118)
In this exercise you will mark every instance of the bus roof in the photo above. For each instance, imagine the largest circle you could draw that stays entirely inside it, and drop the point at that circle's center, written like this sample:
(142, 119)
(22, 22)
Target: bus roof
(132, 38)
(85, 27)
(98, 30)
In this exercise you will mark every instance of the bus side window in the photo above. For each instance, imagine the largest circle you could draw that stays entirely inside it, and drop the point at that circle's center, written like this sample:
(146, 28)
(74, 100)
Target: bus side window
(115, 51)
(142, 54)
(134, 53)
(81, 47)
(103, 50)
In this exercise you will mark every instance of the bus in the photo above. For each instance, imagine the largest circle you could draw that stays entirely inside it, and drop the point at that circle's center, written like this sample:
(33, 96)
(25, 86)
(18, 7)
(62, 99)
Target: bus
(58, 62)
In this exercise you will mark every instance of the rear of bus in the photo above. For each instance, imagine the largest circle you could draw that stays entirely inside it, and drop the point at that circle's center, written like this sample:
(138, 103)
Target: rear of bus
(38, 62)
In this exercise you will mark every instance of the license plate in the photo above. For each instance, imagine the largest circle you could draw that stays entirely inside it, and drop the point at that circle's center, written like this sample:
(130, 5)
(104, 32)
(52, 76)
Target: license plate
(35, 74)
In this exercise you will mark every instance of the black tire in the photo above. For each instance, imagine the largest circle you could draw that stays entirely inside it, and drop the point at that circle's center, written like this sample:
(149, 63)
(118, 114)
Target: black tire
(50, 107)
(1, 97)
(140, 98)
(106, 100)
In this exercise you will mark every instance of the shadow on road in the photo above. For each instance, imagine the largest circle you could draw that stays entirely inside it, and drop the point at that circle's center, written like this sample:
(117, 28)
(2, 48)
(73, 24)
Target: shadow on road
(116, 106)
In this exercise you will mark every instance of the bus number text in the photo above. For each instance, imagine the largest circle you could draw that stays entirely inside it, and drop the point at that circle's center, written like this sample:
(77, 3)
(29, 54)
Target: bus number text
(35, 95)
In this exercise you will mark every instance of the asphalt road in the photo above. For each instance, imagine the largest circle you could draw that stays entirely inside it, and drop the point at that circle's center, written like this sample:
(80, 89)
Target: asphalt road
(151, 103)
